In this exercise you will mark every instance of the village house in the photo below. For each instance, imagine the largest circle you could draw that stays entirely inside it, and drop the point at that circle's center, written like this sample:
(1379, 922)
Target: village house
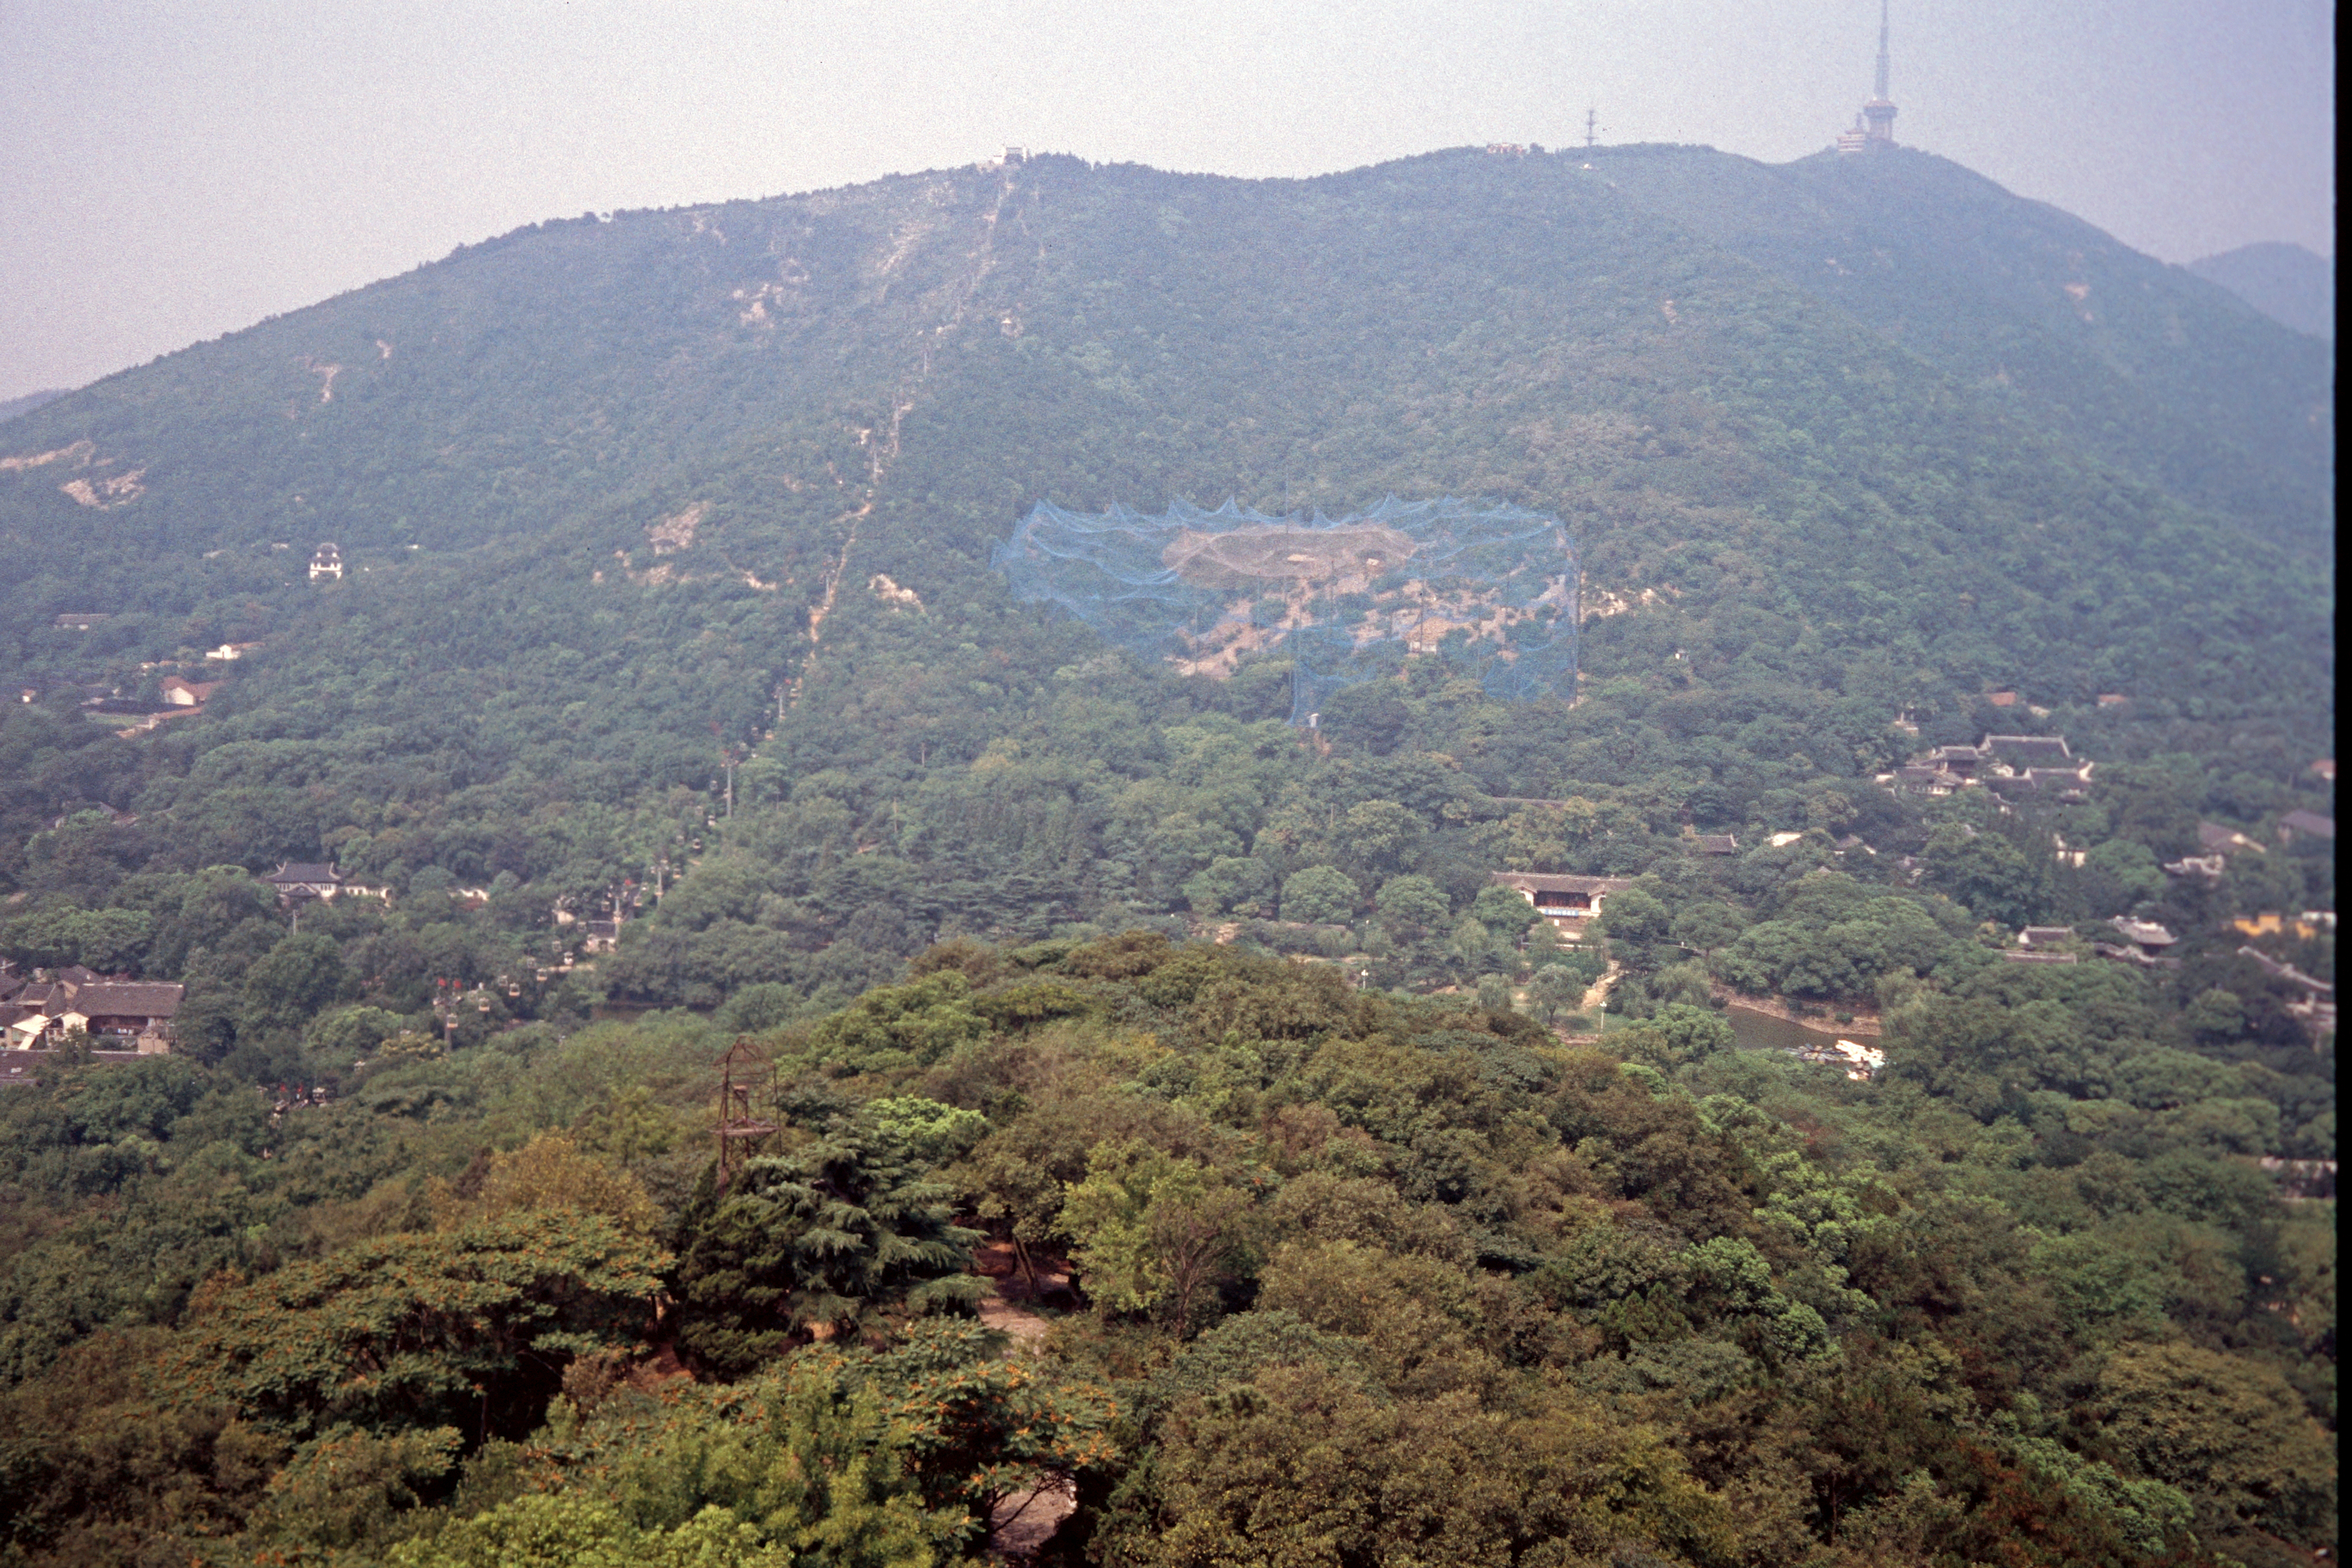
(2316, 1008)
(305, 879)
(182, 693)
(47, 988)
(2306, 824)
(2043, 945)
(140, 1010)
(2305, 926)
(2215, 839)
(2015, 768)
(1924, 778)
(2144, 943)
(1566, 902)
(297, 880)
(74, 1000)
(326, 562)
(2145, 934)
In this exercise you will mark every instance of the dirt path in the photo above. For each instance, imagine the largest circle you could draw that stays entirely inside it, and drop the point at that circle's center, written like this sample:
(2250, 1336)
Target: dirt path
(1024, 1521)
(1027, 1327)
(884, 450)
(1021, 1523)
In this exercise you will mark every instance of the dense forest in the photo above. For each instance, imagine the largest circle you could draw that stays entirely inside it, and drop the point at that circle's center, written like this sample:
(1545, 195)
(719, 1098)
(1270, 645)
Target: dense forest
(1365, 1277)
(1339, 1208)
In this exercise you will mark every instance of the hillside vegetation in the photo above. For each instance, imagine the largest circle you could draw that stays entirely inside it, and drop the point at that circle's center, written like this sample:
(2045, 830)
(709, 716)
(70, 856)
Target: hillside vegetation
(1368, 1276)
(667, 599)
(1817, 514)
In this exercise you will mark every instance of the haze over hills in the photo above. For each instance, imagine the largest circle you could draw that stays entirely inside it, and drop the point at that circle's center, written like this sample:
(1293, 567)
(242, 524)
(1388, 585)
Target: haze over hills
(2133, 362)
(620, 477)
(661, 694)
(12, 407)
(2284, 282)
(638, 329)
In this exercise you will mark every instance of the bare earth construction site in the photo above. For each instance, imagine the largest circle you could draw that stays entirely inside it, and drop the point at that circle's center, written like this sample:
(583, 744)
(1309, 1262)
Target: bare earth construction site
(1347, 600)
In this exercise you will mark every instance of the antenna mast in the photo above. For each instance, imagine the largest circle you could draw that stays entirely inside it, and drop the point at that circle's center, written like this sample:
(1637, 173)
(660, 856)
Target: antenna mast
(1876, 126)
(1881, 94)
(1593, 115)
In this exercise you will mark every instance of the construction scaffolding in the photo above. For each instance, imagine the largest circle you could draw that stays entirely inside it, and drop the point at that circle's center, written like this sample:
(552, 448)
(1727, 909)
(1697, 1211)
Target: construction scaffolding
(1490, 588)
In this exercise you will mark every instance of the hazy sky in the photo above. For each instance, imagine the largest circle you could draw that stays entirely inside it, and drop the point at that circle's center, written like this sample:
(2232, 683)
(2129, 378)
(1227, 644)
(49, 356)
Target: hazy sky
(173, 170)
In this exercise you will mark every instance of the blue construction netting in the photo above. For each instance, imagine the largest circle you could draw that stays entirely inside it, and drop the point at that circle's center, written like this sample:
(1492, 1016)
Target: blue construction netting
(1491, 589)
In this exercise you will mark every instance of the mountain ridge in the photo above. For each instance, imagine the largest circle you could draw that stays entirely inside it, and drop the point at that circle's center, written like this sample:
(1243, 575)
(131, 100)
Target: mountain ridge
(2075, 303)
(12, 407)
(559, 238)
(2288, 283)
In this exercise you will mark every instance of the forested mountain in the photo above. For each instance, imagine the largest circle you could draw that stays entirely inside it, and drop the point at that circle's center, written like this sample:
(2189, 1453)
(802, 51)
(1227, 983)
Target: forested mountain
(2284, 282)
(664, 599)
(2032, 307)
(596, 479)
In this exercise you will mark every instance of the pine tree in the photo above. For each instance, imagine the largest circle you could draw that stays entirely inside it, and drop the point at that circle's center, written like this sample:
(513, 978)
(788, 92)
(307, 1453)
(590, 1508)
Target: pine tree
(817, 1243)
